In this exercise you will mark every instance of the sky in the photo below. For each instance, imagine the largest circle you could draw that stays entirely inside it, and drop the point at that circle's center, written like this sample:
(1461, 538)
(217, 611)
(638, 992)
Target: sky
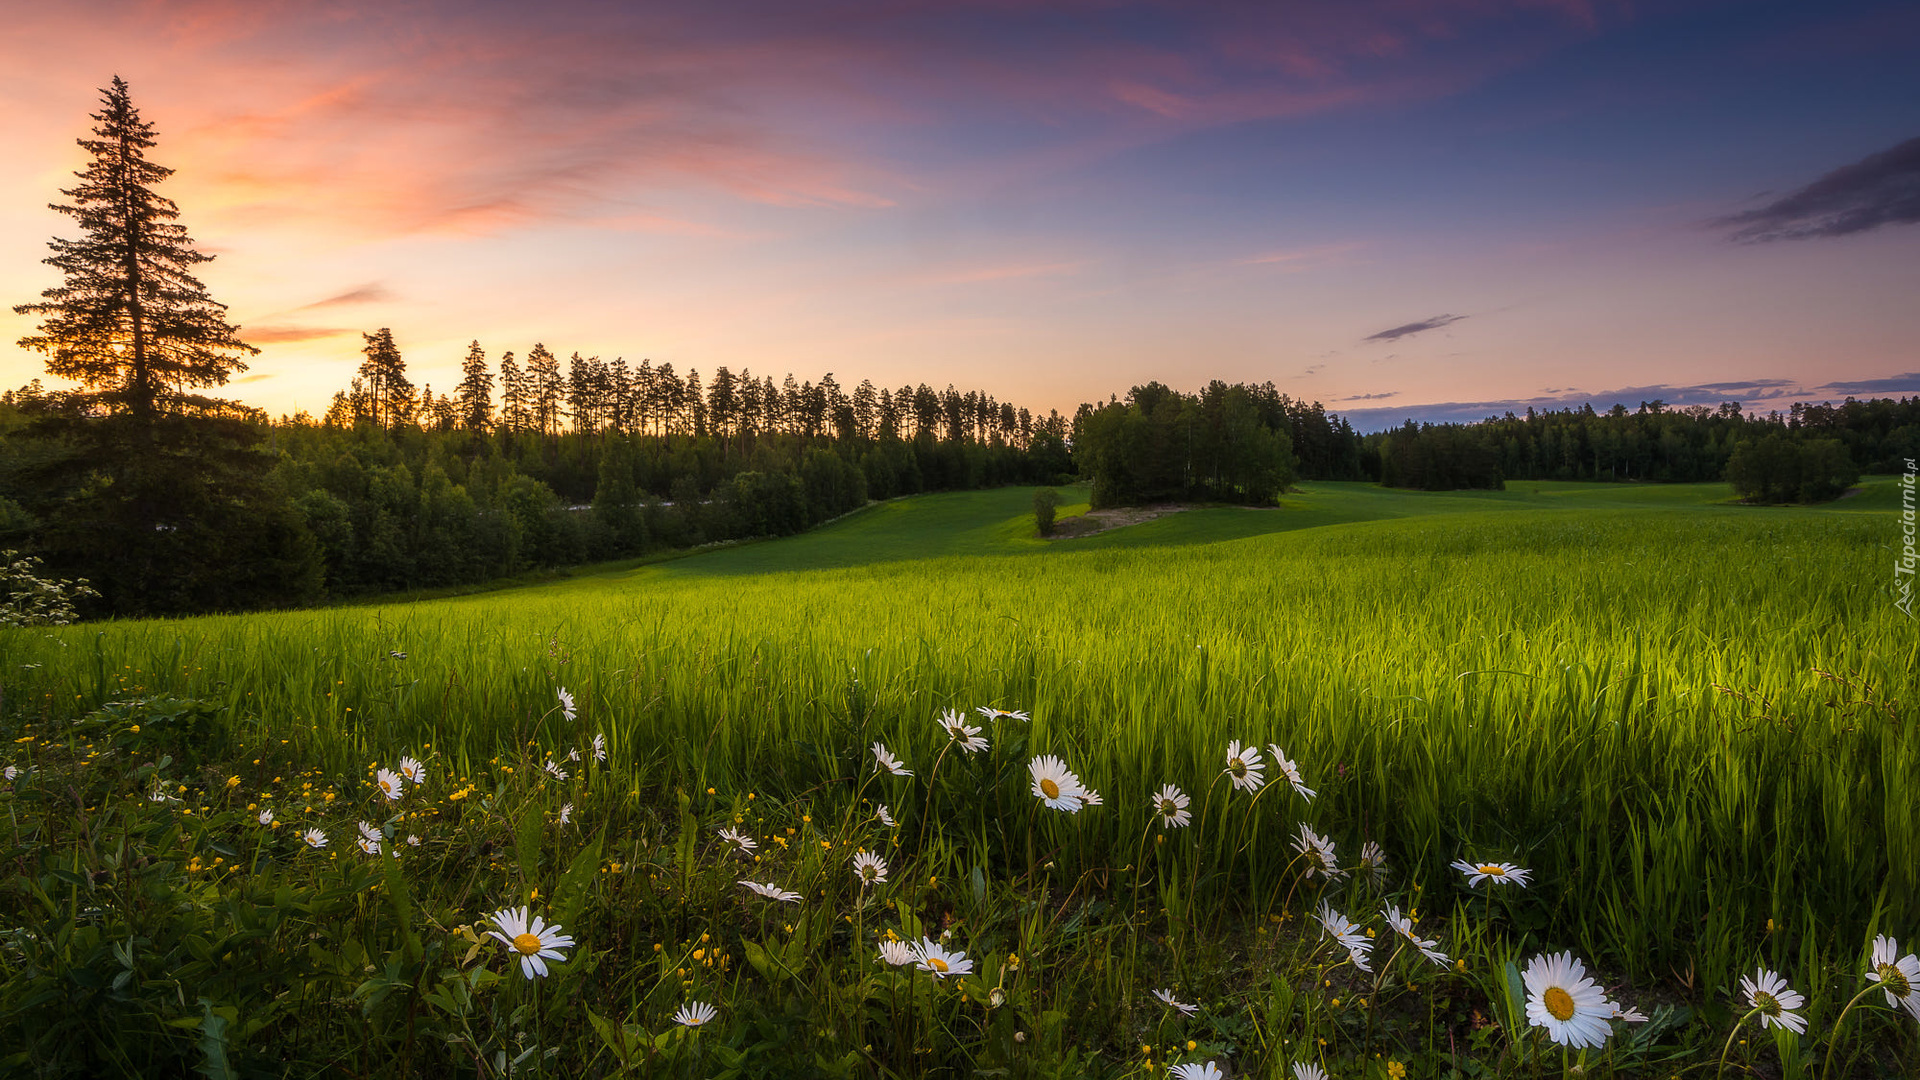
(1399, 209)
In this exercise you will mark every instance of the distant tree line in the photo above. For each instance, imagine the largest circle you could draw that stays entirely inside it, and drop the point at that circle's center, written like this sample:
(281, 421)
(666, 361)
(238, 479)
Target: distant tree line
(1240, 444)
(1656, 443)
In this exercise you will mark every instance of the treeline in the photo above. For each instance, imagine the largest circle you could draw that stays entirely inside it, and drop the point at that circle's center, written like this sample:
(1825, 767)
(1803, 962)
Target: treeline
(1240, 443)
(1655, 442)
(388, 491)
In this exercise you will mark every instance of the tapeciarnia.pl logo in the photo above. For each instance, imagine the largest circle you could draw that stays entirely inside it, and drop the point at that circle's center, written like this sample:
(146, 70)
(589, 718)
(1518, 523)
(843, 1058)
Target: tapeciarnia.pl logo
(1904, 565)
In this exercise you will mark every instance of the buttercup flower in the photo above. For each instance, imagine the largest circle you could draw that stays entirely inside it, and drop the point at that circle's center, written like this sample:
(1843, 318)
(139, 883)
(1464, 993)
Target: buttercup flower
(530, 938)
(1170, 806)
(1562, 999)
(889, 762)
(1500, 873)
(1166, 998)
(1244, 766)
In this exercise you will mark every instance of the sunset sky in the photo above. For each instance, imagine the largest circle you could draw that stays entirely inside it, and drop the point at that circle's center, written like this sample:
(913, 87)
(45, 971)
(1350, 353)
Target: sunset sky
(1436, 210)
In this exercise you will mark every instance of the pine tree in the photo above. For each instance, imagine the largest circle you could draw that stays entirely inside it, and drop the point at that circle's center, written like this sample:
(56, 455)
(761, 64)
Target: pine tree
(543, 375)
(515, 412)
(384, 373)
(131, 324)
(475, 392)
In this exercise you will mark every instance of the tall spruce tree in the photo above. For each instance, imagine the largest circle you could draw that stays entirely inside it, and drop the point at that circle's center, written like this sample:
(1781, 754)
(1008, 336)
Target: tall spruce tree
(475, 391)
(384, 374)
(131, 324)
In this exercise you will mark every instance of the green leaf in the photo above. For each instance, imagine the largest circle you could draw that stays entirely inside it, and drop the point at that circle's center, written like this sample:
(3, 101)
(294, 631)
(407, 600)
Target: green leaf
(213, 1044)
(526, 844)
(571, 894)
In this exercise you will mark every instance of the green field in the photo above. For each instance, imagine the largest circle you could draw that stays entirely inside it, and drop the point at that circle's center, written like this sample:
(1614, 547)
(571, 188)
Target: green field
(1691, 720)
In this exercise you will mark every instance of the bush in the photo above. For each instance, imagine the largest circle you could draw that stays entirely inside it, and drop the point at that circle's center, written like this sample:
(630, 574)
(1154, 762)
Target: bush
(1044, 502)
(1777, 470)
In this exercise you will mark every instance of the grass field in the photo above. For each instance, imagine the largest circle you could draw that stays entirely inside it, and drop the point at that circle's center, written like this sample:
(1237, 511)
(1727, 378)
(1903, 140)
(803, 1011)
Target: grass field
(1690, 720)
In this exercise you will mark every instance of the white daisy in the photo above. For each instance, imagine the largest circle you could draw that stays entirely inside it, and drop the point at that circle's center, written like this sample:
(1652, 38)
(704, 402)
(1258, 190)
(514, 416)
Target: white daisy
(1166, 998)
(1628, 1015)
(1899, 978)
(1403, 925)
(935, 958)
(599, 748)
(1170, 806)
(1199, 1070)
(738, 839)
(1244, 765)
(368, 847)
(1054, 785)
(1775, 1000)
(369, 832)
(566, 813)
(885, 817)
(771, 892)
(573, 754)
(1562, 999)
(1303, 1070)
(566, 703)
(1500, 873)
(415, 772)
(1373, 862)
(1291, 771)
(961, 732)
(1347, 933)
(695, 1013)
(554, 770)
(897, 953)
(1090, 797)
(314, 838)
(530, 938)
(12, 771)
(413, 840)
(889, 762)
(871, 868)
(390, 784)
(1318, 851)
(266, 816)
(1000, 714)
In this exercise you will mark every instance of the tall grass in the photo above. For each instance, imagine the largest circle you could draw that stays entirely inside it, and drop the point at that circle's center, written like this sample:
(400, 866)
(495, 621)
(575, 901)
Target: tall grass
(1691, 726)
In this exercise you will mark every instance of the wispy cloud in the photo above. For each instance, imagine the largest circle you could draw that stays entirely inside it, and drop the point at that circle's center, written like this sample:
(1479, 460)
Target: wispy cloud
(1879, 189)
(277, 335)
(1383, 395)
(1422, 326)
(1768, 393)
(1897, 384)
(365, 294)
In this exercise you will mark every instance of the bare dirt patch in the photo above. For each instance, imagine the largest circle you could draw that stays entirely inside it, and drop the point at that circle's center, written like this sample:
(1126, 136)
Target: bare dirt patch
(1113, 517)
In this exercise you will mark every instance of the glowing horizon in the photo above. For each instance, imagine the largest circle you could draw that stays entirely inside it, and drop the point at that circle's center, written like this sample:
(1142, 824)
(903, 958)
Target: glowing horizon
(1393, 208)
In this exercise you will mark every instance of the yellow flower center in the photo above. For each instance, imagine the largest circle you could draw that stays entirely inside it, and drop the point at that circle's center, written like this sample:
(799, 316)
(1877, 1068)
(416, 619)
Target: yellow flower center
(1494, 871)
(1237, 767)
(1559, 1003)
(1895, 982)
(1052, 789)
(936, 963)
(527, 944)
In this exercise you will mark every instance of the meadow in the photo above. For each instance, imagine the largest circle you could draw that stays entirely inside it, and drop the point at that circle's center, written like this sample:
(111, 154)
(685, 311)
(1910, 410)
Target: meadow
(1689, 721)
